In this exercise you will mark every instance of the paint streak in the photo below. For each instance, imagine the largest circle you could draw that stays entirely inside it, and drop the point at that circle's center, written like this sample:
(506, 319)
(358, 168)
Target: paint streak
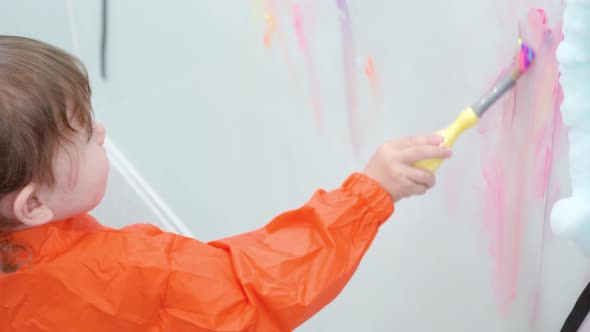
(267, 11)
(543, 173)
(280, 38)
(370, 69)
(371, 72)
(539, 14)
(535, 305)
(517, 157)
(298, 24)
(348, 64)
(493, 176)
(550, 138)
(271, 28)
(276, 34)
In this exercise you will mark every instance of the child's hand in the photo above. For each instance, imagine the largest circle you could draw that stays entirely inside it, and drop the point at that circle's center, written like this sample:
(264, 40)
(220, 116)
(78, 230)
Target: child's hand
(392, 165)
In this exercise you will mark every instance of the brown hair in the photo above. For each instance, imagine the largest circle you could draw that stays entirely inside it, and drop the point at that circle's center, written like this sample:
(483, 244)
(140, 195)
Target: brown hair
(43, 91)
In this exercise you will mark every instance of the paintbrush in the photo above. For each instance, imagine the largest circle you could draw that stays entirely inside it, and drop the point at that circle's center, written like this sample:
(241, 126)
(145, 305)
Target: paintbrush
(473, 113)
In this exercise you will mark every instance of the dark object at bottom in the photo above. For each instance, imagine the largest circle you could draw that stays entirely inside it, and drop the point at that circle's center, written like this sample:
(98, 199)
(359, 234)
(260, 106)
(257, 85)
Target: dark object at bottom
(579, 312)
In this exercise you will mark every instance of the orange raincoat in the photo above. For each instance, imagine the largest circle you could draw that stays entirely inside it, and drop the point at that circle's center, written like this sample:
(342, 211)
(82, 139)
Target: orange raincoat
(86, 277)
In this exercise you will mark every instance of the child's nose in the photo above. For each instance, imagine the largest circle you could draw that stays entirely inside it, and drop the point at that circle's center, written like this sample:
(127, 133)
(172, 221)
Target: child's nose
(100, 133)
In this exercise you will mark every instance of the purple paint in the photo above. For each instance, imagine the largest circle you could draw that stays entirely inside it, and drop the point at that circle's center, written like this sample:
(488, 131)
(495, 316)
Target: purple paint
(348, 64)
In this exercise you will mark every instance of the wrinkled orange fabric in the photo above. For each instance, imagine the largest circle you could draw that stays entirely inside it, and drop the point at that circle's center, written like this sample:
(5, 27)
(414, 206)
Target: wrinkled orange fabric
(87, 277)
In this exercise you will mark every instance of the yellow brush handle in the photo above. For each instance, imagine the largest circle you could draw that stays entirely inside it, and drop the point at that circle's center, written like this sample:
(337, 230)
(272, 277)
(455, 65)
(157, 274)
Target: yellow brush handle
(466, 120)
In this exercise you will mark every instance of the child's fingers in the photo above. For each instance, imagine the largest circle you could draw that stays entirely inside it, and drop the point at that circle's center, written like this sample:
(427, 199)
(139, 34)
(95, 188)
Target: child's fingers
(419, 189)
(433, 139)
(421, 176)
(415, 154)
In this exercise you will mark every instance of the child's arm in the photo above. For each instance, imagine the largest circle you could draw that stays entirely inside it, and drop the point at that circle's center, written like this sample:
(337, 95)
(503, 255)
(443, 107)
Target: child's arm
(275, 278)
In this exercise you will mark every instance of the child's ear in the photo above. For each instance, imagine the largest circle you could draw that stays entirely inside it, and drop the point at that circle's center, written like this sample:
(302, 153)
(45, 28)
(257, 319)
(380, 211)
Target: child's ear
(29, 209)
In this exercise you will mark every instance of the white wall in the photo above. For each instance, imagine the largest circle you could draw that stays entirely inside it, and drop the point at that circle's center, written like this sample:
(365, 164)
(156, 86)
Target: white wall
(217, 126)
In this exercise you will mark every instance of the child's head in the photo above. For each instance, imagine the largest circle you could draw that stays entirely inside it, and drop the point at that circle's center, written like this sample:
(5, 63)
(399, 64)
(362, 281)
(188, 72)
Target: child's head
(52, 164)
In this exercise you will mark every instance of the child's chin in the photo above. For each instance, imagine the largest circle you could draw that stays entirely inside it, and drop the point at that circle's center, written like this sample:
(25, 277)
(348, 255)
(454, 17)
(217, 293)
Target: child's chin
(92, 202)
(98, 197)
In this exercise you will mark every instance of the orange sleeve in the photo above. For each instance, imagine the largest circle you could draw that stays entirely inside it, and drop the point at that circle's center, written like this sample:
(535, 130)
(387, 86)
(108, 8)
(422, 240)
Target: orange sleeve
(143, 279)
(277, 277)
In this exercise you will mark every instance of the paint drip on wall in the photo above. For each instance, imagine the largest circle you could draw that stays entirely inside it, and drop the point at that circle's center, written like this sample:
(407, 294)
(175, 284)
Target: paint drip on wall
(348, 65)
(270, 28)
(373, 78)
(518, 144)
(349, 53)
(286, 21)
(299, 21)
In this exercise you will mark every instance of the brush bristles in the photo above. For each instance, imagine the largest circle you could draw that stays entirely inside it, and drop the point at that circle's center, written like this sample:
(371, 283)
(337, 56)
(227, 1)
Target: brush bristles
(525, 57)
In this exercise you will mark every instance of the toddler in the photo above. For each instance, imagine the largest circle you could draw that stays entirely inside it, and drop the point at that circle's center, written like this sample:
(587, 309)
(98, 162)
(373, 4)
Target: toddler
(61, 270)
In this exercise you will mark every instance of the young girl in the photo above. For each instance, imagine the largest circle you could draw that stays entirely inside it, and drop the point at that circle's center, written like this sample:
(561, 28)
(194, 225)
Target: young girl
(63, 271)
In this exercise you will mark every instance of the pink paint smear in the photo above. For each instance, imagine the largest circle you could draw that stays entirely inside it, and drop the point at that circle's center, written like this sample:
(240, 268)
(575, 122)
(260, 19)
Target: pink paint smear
(273, 35)
(301, 30)
(517, 140)
(348, 64)
(298, 24)
(374, 81)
